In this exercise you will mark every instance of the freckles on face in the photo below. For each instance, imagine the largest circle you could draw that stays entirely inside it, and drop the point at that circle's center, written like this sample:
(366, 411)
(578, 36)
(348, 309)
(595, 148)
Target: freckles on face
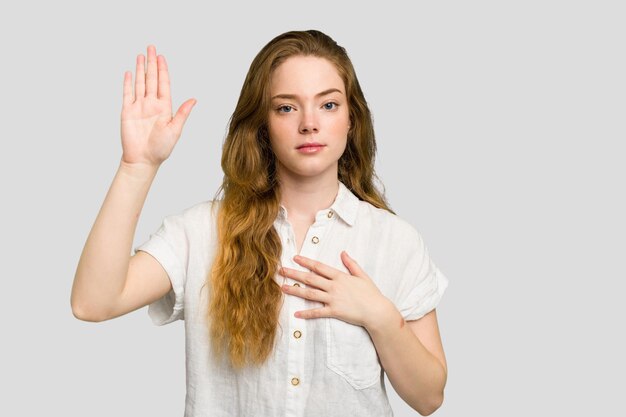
(308, 104)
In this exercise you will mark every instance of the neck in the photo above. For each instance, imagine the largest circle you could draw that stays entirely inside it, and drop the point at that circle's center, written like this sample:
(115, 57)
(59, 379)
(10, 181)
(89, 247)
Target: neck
(303, 197)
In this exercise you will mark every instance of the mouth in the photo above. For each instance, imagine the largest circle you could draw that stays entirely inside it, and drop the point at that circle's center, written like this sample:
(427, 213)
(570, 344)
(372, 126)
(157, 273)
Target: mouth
(310, 145)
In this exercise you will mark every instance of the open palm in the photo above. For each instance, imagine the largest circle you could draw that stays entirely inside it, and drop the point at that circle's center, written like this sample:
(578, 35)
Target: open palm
(149, 132)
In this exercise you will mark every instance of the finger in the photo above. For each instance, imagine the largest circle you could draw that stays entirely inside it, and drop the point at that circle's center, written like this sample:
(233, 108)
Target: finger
(151, 73)
(307, 278)
(140, 78)
(182, 114)
(127, 96)
(164, 79)
(314, 313)
(308, 293)
(317, 267)
(351, 264)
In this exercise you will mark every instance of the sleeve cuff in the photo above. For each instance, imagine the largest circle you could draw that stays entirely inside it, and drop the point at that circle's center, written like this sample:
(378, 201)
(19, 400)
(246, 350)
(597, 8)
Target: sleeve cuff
(424, 300)
(168, 308)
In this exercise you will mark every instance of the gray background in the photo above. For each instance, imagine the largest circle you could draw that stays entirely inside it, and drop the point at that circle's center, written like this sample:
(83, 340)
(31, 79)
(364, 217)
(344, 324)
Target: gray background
(500, 129)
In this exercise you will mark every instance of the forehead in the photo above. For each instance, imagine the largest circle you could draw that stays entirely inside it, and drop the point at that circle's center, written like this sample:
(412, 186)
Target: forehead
(305, 74)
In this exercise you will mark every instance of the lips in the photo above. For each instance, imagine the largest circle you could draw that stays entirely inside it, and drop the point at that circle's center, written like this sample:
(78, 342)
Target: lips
(310, 145)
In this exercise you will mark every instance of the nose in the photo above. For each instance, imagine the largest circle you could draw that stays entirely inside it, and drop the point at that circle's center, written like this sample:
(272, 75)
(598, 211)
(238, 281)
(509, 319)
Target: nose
(308, 123)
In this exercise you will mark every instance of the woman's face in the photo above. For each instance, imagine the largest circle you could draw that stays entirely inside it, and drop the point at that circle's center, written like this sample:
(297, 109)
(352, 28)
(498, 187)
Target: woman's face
(309, 118)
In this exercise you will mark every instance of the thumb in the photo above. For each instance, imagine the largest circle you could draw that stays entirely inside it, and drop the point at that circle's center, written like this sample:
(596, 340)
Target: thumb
(351, 264)
(182, 114)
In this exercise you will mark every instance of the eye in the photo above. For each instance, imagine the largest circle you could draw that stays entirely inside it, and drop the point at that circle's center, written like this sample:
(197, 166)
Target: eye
(331, 102)
(281, 107)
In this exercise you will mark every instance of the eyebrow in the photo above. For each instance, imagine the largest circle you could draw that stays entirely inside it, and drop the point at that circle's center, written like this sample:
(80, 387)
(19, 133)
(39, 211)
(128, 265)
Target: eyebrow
(323, 93)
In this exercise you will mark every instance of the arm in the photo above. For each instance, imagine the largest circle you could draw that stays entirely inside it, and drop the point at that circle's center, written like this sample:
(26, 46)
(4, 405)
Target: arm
(149, 133)
(103, 265)
(412, 355)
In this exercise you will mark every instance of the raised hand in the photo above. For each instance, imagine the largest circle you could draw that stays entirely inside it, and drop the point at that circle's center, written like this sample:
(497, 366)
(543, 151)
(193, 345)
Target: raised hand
(149, 132)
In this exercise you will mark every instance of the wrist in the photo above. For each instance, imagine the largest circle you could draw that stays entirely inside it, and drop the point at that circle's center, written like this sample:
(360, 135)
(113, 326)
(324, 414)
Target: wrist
(138, 171)
(383, 317)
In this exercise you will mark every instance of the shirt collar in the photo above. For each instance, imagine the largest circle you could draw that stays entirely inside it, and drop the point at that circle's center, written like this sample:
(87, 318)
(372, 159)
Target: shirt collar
(346, 205)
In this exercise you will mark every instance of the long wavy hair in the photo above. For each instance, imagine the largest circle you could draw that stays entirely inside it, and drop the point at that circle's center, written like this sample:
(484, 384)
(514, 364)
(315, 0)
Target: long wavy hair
(245, 301)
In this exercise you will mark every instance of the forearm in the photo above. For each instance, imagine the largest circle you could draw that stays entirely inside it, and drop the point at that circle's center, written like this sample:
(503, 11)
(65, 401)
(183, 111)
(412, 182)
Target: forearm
(101, 272)
(417, 376)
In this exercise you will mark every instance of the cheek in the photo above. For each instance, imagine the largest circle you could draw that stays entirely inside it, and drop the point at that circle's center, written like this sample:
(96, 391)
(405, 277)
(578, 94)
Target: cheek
(341, 129)
(278, 140)
(278, 129)
(340, 125)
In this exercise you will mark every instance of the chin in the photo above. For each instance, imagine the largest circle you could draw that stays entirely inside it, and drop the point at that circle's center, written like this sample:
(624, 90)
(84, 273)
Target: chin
(308, 172)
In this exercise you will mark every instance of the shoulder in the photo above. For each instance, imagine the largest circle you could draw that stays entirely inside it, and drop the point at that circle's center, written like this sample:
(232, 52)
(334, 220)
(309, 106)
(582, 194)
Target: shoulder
(203, 208)
(386, 222)
(195, 217)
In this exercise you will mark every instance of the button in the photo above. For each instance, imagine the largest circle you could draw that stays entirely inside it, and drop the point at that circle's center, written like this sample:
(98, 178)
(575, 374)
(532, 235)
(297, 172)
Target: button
(295, 381)
(315, 239)
(296, 285)
(297, 334)
(330, 214)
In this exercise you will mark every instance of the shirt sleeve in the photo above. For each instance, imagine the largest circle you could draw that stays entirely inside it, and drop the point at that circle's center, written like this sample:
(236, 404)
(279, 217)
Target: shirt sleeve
(422, 284)
(169, 246)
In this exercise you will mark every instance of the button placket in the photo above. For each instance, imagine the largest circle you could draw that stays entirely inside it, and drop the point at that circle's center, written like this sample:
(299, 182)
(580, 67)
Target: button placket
(297, 326)
(310, 248)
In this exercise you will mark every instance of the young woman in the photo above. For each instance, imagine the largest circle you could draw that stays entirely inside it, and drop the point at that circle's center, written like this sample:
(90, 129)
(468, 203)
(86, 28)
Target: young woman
(298, 285)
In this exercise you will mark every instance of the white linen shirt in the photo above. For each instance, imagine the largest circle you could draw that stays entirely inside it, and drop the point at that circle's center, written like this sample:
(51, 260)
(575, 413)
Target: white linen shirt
(319, 367)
